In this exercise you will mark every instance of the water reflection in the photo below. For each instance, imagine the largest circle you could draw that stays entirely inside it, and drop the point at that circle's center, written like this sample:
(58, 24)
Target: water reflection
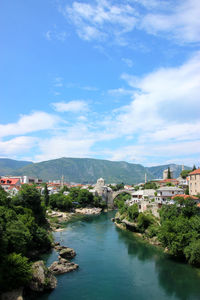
(176, 279)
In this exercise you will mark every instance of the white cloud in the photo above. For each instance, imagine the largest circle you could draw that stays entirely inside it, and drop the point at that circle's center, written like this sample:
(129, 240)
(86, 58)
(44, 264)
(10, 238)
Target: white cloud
(150, 154)
(164, 96)
(105, 20)
(29, 123)
(120, 91)
(74, 106)
(182, 22)
(101, 19)
(18, 145)
(61, 146)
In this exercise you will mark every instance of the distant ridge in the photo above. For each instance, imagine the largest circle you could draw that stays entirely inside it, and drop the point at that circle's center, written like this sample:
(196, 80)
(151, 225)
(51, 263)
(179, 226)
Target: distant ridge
(85, 170)
(8, 166)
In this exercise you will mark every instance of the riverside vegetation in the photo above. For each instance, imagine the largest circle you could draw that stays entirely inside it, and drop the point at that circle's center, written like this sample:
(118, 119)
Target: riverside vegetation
(177, 229)
(25, 229)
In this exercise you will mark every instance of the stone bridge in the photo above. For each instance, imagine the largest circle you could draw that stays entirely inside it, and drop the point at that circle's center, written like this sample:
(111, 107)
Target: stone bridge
(111, 195)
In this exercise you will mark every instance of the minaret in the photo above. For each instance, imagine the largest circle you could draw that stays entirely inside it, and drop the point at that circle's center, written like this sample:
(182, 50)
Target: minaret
(62, 181)
(182, 167)
(145, 178)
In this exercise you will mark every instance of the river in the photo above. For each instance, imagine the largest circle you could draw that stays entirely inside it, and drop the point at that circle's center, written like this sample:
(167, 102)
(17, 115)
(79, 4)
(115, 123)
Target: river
(115, 265)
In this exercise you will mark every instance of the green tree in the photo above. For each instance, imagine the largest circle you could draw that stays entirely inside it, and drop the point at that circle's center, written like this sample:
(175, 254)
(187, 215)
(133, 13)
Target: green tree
(192, 252)
(29, 197)
(194, 168)
(143, 222)
(85, 197)
(168, 173)
(46, 195)
(61, 202)
(133, 212)
(185, 173)
(15, 272)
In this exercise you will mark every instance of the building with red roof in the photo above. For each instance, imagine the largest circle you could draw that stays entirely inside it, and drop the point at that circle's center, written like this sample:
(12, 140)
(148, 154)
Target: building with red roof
(185, 196)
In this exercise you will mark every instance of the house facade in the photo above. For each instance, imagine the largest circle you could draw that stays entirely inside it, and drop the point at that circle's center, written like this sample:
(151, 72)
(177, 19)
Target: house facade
(194, 182)
(165, 193)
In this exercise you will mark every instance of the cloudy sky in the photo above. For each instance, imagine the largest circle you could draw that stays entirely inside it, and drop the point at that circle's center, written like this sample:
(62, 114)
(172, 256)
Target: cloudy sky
(111, 79)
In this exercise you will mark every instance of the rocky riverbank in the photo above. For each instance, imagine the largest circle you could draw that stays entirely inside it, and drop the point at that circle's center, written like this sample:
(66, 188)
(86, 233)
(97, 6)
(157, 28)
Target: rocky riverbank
(57, 218)
(125, 224)
(88, 211)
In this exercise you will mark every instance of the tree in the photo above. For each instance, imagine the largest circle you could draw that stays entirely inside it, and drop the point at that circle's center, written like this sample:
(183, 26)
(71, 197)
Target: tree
(168, 173)
(16, 271)
(192, 252)
(185, 173)
(85, 197)
(61, 202)
(133, 212)
(194, 168)
(143, 222)
(46, 195)
(29, 197)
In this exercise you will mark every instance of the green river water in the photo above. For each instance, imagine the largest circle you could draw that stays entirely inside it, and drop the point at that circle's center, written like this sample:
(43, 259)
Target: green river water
(115, 265)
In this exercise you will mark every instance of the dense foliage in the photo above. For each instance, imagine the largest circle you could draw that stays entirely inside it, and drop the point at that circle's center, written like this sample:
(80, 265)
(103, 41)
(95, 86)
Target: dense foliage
(180, 229)
(23, 234)
(185, 173)
(150, 185)
(120, 200)
(76, 198)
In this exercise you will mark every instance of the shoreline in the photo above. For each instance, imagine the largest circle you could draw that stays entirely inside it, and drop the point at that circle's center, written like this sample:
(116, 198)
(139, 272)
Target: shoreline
(152, 241)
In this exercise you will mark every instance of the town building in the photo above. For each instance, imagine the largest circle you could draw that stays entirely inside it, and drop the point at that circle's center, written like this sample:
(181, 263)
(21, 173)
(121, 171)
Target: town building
(165, 193)
(194, 182)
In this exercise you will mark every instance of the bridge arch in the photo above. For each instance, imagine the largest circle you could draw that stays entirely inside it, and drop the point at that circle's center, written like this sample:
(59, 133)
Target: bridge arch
(115, 194)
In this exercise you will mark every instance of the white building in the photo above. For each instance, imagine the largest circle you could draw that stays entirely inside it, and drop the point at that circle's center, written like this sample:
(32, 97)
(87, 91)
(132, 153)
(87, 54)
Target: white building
(166, 192)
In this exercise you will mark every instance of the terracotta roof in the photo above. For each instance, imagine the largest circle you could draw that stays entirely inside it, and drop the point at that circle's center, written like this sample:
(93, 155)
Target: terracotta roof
(197, 171)
(185, 196)
(167, 180)
(9, 181)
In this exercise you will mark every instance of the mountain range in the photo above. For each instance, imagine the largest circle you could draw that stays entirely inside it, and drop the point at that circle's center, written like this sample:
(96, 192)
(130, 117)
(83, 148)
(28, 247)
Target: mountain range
(85, 170)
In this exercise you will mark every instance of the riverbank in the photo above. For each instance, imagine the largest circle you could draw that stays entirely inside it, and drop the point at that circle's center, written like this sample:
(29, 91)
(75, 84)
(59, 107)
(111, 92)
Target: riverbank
(124, 224)
(58, 219)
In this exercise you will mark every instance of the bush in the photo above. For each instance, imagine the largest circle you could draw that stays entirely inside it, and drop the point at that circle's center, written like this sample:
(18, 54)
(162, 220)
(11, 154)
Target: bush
(60, 201)
(133, 212)
(16, 272)
(192, 252)
(143, 222)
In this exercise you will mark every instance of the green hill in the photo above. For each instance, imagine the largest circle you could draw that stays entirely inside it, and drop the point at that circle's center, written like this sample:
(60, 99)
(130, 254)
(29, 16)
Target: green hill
(85, 170)
(9, 166)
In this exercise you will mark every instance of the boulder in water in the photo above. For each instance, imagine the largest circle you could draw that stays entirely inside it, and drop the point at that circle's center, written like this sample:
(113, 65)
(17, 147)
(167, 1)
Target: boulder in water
(42, 279)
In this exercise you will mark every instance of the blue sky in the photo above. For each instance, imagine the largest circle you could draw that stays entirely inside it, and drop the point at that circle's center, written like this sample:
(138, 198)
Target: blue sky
(116, 80)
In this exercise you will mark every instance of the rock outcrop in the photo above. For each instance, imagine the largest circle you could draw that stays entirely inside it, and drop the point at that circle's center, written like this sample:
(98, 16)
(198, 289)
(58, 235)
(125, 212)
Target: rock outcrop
(88, 211)
(42, 279)
(62, 266)
(65, 252)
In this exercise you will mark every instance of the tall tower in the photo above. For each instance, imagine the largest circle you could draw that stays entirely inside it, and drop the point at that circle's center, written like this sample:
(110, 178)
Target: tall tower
(62, 181)
(145, 178)
(182, 167)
